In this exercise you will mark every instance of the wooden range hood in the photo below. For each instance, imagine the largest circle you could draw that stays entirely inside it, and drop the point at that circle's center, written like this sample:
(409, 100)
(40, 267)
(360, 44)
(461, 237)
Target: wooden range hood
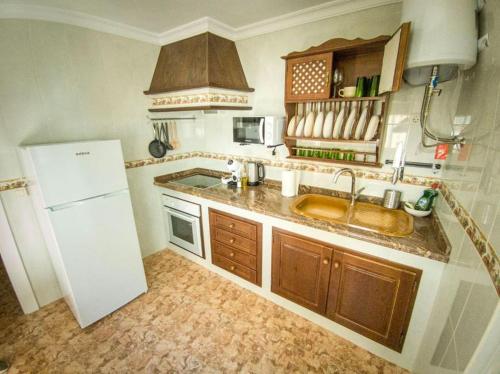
(202, 72)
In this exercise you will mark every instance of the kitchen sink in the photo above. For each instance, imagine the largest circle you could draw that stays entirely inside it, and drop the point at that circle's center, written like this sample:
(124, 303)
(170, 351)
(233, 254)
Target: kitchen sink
(366, 216)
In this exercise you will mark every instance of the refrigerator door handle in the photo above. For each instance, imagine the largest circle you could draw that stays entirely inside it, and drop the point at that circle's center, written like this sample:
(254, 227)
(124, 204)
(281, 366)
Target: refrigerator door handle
(80, 202)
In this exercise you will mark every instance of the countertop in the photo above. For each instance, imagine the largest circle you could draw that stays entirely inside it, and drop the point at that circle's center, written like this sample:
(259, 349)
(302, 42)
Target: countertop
(427, 240)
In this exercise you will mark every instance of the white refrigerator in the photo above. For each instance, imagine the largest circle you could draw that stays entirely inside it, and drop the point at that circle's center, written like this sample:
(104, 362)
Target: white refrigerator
(81, 197)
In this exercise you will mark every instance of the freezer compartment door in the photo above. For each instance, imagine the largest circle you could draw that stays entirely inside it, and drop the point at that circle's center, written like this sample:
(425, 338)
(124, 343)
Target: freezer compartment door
(69, 172)
(99, 248)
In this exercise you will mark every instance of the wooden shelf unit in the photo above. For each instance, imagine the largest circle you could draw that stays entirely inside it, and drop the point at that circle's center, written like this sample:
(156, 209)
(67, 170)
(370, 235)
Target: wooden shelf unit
(375, 142)
(308, 85)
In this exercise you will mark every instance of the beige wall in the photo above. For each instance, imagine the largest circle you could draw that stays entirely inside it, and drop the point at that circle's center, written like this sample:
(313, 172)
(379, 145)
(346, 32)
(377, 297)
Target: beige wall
(467, 298)
(66, 83)
(265, 71)
(61, 83)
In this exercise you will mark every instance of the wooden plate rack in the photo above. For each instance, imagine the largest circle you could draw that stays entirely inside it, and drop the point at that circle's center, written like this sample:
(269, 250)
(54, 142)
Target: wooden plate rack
(308, 86)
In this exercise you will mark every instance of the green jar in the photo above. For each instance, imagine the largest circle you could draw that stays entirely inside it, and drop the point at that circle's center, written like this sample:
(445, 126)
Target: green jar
(425, 202)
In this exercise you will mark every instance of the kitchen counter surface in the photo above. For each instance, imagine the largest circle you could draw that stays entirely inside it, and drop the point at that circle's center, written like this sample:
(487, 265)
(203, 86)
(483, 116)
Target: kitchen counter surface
(427, 240)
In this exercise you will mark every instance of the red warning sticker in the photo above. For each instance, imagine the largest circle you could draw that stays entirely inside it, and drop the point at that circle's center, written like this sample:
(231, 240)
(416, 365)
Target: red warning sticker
(441, 152)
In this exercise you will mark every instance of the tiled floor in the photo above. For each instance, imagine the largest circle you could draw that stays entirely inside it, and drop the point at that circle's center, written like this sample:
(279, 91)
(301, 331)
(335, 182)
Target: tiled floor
(191, 320)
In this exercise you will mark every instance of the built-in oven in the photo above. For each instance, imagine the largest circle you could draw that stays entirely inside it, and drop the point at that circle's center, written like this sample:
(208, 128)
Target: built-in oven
(183, 220)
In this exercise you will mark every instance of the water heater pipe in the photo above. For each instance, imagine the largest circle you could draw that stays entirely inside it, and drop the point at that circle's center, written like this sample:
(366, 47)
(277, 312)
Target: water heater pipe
(431, 90)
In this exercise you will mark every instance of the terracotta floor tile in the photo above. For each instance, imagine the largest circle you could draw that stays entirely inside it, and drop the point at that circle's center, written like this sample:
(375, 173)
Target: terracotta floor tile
(191, 320)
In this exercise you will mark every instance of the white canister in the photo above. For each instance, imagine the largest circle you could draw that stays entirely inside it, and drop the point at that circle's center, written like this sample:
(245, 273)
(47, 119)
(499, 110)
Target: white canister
(289, 183)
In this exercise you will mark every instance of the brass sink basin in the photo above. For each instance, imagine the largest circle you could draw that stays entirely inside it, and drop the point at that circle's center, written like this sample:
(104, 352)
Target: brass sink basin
(366, 216)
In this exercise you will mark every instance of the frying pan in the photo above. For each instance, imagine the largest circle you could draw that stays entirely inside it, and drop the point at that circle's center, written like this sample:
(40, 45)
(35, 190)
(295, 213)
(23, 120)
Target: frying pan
(157, 148)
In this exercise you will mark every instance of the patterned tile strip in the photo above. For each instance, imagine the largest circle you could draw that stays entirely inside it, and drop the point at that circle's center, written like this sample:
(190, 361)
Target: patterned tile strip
(288, 164)
(12, 184)
(483, 246)
(295, 165)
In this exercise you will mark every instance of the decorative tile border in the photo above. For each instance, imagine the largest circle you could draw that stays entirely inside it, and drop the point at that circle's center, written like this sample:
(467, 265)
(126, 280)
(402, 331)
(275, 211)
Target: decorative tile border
(317, 167)
(12, 184)
(204, 96)
(483, 246)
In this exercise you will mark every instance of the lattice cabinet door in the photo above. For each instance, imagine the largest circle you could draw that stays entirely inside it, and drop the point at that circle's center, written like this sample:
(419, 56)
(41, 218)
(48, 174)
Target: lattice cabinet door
(308, 77)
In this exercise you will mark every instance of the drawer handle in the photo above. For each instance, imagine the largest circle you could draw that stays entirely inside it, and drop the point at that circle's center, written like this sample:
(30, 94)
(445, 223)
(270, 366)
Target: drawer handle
(325, 261)
(231, 254)
(231, 241)
(336, 265)
(231, 225)
(232, 267)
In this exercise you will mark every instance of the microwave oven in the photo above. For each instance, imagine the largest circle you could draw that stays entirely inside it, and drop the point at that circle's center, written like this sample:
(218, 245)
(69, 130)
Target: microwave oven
(267, 130)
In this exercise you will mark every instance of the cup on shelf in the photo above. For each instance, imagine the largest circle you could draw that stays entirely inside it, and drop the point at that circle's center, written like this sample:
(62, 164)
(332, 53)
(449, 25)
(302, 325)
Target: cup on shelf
(374, 83)
(361, 85)
(349, 91)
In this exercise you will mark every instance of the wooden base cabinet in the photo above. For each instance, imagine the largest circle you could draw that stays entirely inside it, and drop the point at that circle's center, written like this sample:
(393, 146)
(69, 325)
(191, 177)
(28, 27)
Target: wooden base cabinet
(236, 245)
(301, 270)
(369, 295)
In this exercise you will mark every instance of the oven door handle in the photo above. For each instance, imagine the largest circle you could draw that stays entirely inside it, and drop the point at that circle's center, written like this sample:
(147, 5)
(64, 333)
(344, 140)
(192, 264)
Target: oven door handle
(182, 215)
(261, 130)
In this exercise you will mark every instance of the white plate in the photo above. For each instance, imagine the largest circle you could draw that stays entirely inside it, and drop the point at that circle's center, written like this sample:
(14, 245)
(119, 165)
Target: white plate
(308, 127)
(328, 125)
(361, 124)
(318, 124)
(372, 127)
(349, 124)
(300, 128)
(338, 124)
(291, 125)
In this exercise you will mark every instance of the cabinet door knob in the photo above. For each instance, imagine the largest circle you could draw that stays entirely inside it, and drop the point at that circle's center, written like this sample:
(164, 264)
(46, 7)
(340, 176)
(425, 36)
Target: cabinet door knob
(325, 261)
(231, 254)
(231, 225)
(232, 268)
(336, 265)
(231, 241)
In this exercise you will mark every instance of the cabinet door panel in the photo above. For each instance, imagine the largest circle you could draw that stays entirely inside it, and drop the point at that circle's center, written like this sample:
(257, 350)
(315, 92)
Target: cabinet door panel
(372, 297)
(301, 270)
(394, 60)
(308, 77)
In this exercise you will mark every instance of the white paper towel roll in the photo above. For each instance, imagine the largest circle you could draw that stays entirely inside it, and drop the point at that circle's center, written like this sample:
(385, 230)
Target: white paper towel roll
(289, 183)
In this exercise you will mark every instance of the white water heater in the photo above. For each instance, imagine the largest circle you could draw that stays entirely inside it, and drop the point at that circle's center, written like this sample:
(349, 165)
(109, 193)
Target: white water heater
(443, 33)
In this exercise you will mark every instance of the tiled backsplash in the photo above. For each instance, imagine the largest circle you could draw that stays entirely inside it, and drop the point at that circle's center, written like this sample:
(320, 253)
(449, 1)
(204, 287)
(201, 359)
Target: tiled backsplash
(482, 245)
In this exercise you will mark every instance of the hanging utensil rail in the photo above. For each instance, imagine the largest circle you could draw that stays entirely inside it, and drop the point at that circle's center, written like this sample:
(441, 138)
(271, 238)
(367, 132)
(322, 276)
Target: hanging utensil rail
(173, 119)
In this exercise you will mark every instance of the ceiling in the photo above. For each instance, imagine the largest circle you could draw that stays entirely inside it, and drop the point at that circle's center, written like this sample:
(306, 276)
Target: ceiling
(164, 21)
(161, 15)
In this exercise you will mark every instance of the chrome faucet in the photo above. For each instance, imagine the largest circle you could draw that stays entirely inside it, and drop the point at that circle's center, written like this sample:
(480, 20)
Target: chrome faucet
(354, 194)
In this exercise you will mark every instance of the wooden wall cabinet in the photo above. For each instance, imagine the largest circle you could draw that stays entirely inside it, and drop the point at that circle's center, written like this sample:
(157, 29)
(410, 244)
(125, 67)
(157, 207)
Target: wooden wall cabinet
(309, 77)
(309, 80)
(236, 245)
(369, 295)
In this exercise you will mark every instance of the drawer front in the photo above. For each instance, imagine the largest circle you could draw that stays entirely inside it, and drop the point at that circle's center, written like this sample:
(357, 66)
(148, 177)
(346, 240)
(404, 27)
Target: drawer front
(233, 267)
(244, 229)
(236, 241)
(242, 258)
